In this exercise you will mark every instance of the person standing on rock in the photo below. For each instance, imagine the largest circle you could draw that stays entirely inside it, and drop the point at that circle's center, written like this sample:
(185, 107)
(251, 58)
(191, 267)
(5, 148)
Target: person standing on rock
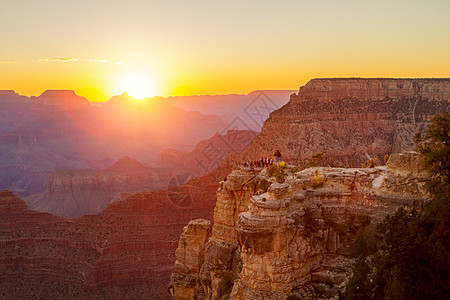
(277, 156)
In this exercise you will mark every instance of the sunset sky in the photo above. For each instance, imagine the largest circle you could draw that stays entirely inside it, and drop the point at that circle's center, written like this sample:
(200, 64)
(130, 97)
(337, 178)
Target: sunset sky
(102, 48)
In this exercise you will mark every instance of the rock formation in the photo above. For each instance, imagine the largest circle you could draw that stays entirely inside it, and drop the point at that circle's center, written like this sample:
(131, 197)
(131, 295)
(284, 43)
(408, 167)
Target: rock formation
(208, 154)
(351, 119)
(59, 130)
(73, 193)
(243, 112)
(127, 251)
(297, 237)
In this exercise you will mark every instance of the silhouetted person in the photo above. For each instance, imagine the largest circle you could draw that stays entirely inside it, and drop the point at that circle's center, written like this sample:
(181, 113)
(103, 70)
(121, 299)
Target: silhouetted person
(277, 155)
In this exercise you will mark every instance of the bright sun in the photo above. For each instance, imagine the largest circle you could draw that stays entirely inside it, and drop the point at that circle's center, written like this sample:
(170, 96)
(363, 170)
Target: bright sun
(137, 85)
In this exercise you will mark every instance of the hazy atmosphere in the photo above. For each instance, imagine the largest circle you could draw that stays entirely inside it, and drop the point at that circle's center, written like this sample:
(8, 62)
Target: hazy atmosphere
(102, 48)
(224, 150)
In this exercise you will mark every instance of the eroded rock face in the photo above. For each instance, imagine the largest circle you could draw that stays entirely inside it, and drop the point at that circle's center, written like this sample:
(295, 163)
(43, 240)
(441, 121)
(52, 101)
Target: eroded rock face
(351, 119)
(297, 238)
(208, 154)
(221, 248)
(127, 251)
(190, 256)
(74, 193)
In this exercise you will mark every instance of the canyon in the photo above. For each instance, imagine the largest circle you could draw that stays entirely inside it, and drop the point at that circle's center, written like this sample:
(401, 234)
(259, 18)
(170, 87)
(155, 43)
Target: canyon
(74, 193)
(297, 238)
(350, 119)
(275, 238)
(126, 251)
(60, 130)
(129, 249)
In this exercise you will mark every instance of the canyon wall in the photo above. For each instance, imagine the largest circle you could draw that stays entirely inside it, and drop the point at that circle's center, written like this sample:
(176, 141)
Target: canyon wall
(351, 119)
(59, 130)
(73, 193)
(295, 238)
(127, 251)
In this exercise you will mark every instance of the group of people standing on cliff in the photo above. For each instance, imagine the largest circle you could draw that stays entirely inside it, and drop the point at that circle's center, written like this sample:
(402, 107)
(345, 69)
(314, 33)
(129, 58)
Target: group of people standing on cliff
(264, 161)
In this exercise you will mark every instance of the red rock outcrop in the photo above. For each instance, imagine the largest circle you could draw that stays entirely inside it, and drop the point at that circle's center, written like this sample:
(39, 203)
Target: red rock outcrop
(127, 251)
(351, 119)
(208, 154)
(73, 193)
(297, 237)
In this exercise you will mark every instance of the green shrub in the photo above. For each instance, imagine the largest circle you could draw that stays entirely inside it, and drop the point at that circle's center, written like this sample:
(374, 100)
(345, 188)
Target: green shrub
(264, 185)
(371, 163)
(317, 181)
(226, 276)
(281, 177)
(272, 171)
(323, 160)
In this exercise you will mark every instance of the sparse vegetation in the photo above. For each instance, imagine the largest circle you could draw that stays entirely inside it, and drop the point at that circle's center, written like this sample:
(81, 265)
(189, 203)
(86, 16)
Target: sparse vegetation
(412, 258)
(277, 172)
(264, 185)
(322, 160)
(226, 276)
(386, 158)
(371, 163)
(281, 177)
(317, 180)
(272, 171)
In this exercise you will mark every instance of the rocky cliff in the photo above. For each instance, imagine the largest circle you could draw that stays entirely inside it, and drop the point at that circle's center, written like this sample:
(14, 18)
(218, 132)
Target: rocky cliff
(125, 252)
(208, 154)
(59, 130)
(351, 119)
(73, 193)
(291, 238)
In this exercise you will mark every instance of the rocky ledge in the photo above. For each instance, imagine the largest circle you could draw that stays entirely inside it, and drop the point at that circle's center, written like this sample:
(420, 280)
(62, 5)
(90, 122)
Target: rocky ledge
(290, 238)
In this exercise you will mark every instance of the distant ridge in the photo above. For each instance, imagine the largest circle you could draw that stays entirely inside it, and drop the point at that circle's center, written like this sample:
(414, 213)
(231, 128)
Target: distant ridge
(126, 164)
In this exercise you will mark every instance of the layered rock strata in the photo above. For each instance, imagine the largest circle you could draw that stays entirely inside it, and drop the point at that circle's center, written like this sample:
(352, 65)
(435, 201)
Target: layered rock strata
(351, 119)
(296, 238)
(125, 252)
(74, 193)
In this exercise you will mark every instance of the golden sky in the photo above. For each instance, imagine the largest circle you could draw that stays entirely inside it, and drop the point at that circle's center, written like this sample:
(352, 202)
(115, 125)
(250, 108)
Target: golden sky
(101, 48)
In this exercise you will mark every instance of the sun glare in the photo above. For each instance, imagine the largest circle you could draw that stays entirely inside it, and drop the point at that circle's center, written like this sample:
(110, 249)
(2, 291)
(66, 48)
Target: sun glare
(137, 85)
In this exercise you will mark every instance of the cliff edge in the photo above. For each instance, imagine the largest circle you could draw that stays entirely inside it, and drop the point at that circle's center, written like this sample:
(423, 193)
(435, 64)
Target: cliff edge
(351, 119)
(291, 238)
